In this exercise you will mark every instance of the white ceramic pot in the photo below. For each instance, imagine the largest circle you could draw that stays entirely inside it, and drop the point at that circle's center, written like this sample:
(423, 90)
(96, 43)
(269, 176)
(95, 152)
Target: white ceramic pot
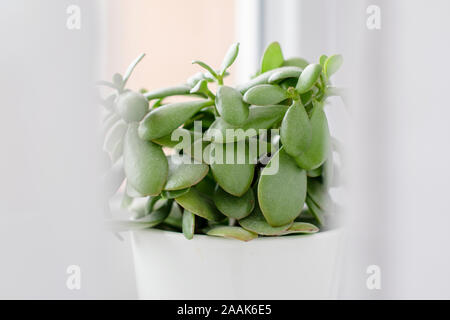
(291, 267)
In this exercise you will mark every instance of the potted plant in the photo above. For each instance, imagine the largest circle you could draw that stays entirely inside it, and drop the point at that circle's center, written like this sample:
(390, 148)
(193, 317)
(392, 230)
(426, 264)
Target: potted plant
(250, 162)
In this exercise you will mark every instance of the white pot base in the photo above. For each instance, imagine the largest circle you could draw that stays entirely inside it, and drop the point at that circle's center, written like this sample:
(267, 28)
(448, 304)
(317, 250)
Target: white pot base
(291, 267)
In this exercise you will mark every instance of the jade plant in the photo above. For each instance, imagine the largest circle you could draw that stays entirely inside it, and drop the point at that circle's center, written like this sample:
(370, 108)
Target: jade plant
(272, 130)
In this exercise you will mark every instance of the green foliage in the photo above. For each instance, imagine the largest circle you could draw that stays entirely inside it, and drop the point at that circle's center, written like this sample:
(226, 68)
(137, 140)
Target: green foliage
(279, 188)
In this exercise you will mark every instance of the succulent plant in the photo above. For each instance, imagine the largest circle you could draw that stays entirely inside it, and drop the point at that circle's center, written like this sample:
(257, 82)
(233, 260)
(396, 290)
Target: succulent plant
(280, 187)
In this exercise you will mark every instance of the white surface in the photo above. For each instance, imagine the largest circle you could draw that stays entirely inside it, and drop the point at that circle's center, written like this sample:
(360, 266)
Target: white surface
(51, 213)
(294, 267)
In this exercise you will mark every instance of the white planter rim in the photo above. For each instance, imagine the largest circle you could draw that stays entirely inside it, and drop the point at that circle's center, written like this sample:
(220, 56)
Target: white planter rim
(207, 238)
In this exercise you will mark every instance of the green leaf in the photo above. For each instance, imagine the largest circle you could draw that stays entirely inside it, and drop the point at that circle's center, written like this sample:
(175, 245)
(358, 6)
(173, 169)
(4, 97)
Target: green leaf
(188, 224)
(256, 223)
(184, 172)
(265, 94)
(197, 203)
(114, 135)
(296, 131)
(172, 194)
(308, 77)
(148, 221)
(319, 194)
(260, 117)
(230, 105)
(318, 213)
(332, 64)
(193, 147)
(237, 233)
(131, 67)
(306, 97)
(317, 153)
(118, 81)
(260, 79)
(234, 178)
(175, 217)
(145, 164)
(272, 58)
(165, 119)
(132, 106)
(301, 227)
(206, 67)
(167, 92)
(201, 88)
(132, 192)
(285, 73)
(230, 57)
(314, 173)
(232, 206)
(322, 60)
(281, 195)
(296, 62)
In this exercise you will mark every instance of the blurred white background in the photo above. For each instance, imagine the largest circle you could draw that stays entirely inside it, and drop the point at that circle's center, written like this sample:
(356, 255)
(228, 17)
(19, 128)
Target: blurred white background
(397, 131)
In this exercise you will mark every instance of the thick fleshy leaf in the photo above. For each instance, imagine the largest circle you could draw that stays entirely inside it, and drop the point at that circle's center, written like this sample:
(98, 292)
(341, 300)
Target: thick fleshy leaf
(329, 172)
(265, 94)
(229, 232)
(308, 77)
(284, 73)
(322, 59)
(332, 64)
(307, 97)
(188, 224)
(131, 67)
(318, 213)
(110, 121)
(172, 194)
(132, 106)
(117, 152)
(207, 186)
(184, 172)
(302, 227)
(282, 193)
(230, 105)
(229, 57)
(256, 222)
(296, 62)
(232, 206)
(260, 79)
(233, 177)
(314, 173)
(260, 117)
(145, 164)
(317, 153)
(205, 66)
(175, 217)
(148, 221)
(186, 140)
(114, 135)
(132, 192)
(272, 57)
(319, 194)
(296, 131)
(167, 92)
(199, 204)
(165, 119)
(201, 88)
